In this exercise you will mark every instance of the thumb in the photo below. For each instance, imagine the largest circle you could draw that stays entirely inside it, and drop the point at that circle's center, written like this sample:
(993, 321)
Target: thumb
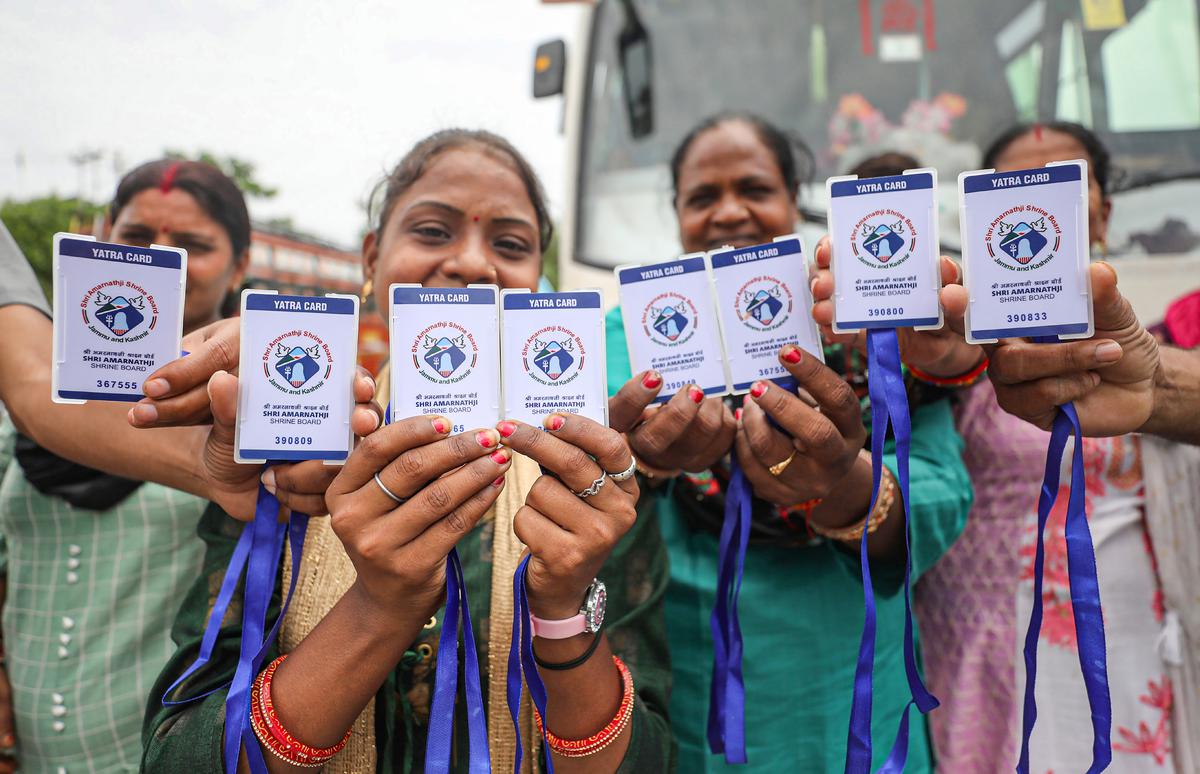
(1112, 310)
(222, 397)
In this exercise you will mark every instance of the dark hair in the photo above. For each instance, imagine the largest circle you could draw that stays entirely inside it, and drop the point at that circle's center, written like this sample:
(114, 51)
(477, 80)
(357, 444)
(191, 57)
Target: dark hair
(792, 155)
(410, 168)
(1099, 159)
(216, 194)
(884, 165)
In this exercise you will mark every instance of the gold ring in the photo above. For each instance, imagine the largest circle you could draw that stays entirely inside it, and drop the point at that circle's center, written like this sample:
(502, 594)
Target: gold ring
(779, 467)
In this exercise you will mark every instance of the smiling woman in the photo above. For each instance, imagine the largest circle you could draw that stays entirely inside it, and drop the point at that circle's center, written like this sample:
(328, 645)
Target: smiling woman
(94, 562)
(357, 646)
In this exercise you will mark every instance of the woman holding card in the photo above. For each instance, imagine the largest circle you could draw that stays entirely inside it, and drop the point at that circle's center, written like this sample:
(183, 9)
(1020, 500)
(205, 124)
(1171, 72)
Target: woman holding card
(95, 564)
(736, 183)
(353, 671)
(974, 605)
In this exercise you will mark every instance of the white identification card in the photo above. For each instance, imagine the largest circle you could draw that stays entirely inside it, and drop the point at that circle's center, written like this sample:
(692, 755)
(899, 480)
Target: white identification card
(445, 354)
(671, 324)
(763, 303)
(296, 382)
(883, 232)
(118, 317)
(552, 346)
(1025, 252)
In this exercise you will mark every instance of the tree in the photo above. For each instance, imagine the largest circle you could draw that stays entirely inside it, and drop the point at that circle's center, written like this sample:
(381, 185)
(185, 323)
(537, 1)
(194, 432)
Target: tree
(34, 223)
(239, 170)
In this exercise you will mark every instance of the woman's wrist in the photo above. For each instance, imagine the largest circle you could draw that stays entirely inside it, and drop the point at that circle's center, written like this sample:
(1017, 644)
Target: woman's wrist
(960, 362)
(849, 498)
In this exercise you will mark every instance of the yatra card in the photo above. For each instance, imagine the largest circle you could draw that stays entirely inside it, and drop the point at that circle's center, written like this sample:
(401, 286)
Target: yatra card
(118, 317)
(763, 303)
(1025, 252)
(671, 324)
(296, 382)
(883, 232)
(552, 345)
(445, 354)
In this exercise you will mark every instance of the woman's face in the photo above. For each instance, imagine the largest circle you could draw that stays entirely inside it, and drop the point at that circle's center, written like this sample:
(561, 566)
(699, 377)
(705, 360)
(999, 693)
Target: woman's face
(467, 219)
(731, 191)
(1038, 148)
(174, 218)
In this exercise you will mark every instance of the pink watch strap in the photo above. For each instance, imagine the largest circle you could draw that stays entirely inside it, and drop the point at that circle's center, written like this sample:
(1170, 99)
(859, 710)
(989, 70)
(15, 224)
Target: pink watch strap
(560, 629)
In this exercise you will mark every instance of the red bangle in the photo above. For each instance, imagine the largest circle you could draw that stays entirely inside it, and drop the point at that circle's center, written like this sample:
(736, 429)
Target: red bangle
(271, 732)
(965, 380)
(582, 748)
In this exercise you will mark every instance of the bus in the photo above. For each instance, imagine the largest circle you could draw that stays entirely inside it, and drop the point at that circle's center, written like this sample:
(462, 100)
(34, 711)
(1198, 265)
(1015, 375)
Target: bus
(937, 79)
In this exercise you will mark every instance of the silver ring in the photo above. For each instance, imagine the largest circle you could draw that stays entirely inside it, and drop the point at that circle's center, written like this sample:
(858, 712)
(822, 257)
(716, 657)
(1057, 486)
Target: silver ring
(388, 492)
(593, 489)
(627, 473)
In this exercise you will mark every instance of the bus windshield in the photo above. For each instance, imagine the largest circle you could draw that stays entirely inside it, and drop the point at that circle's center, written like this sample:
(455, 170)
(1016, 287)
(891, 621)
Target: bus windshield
(932, 78)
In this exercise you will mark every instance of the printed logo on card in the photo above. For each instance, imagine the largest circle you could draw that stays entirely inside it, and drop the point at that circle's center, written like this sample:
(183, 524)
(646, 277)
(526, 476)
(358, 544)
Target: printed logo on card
(553, 355)
(297, 362)
(669, 319)
(444, 353)
(764, 303)
(119, 311)
(883, 239)
(1023, 238)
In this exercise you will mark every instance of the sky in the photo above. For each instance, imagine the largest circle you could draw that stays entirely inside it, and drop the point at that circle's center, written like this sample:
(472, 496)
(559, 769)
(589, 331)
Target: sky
(323, 97)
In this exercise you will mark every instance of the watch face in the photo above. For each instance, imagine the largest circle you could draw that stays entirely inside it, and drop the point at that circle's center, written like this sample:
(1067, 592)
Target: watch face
(596, 603)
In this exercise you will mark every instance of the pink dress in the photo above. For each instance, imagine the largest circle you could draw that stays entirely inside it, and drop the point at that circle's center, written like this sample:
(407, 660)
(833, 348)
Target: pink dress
(973, 608)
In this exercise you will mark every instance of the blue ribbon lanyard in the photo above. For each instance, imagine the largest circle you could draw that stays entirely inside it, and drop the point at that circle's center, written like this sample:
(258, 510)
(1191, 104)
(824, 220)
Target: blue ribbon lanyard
(438, 747)
(257, 553)
(727, 691)
(1085, 596)
(520, 659)
(889, 404)
(456, 617)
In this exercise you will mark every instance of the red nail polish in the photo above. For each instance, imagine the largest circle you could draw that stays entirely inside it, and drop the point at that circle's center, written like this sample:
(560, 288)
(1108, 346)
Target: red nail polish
(555, 422)
(485, 439)
(696, 394)
(440, 425)
(498, 482)
(737, 414)
(500, 457)
(792, 355)
(506, 428)
(651, 380)
(758, 389)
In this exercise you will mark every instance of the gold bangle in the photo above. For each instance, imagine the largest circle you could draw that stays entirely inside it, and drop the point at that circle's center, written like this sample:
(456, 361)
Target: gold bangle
(870, 522)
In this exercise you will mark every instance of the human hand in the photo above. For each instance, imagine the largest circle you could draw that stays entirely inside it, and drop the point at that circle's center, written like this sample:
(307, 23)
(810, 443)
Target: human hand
(298, 486)
(822, 440)
(1110, 377)
(688, 432)
(943, 353)
(570, 537)
(445, 484)
(176, 394)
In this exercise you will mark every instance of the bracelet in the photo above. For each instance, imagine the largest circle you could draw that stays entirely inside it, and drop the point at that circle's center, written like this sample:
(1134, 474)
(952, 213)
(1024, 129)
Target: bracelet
(870, 522)
(806, 507)
(582, 748)
(957, 382)
(271, 732)
(565, 665)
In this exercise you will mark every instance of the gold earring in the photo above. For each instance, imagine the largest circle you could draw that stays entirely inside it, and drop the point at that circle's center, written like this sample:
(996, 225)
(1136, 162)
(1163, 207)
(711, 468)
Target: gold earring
(368, 286)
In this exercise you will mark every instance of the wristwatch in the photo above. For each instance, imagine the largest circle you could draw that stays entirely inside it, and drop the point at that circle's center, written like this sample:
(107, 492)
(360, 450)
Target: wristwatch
(587, 621)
